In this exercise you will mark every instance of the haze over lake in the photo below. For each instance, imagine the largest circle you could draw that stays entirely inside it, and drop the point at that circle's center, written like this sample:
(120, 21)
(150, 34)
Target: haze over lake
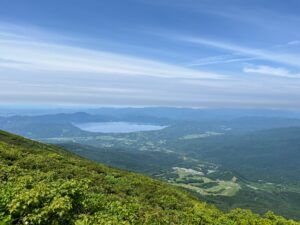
(117, 127)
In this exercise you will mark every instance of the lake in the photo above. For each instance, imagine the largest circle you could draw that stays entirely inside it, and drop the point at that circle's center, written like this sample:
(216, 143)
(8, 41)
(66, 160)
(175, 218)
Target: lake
(117, 127)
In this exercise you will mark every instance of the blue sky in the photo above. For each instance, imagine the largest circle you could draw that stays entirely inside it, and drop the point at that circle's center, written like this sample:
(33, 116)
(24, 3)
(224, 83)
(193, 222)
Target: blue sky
(192, 53)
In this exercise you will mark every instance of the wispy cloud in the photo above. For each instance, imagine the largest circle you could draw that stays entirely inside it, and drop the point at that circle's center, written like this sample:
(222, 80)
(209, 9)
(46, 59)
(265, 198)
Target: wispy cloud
(284, 58)
(271, 71)
(38, 66)
(221, 59)
(296, 42)
(22, 53)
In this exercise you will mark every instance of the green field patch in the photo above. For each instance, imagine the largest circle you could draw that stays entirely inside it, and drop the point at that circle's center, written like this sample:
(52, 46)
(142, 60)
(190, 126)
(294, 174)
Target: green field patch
(202, 135)
(183, 172)
(196, 181)
(208, 185)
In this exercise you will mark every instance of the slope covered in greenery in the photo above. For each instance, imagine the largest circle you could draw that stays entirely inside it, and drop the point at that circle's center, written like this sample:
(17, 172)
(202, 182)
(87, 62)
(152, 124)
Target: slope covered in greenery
(43, 184)
(271, 154)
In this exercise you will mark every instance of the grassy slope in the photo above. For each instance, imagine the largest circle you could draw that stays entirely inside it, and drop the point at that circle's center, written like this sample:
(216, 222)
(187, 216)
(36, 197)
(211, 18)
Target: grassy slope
(43, 184)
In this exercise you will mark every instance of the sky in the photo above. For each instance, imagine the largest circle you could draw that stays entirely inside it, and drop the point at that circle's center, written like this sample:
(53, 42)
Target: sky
(191, 53)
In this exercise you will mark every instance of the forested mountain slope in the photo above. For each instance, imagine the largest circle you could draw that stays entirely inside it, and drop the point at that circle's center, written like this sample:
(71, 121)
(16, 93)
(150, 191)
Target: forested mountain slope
(267, 154)
(43, 184)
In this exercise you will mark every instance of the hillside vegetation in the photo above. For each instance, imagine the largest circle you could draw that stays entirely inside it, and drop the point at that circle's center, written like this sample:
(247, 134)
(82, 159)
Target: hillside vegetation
(43, 184)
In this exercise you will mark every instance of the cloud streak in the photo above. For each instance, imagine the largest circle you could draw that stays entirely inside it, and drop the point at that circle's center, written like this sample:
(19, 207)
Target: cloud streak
(271, 71)
(283, 58)
(21, 53)
(223, 59)
(52, 68)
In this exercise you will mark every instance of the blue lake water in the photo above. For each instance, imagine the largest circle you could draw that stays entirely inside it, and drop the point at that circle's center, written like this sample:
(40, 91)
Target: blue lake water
(117, 127)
